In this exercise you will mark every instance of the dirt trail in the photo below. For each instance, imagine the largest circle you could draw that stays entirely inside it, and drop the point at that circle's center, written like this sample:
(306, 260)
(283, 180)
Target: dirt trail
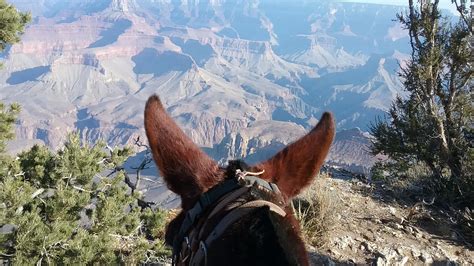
(379, 231)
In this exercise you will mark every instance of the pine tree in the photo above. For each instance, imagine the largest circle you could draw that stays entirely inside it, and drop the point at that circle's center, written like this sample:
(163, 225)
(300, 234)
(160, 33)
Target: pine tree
(433, 126)
(77, 206)
(12, 24)
(7, 119)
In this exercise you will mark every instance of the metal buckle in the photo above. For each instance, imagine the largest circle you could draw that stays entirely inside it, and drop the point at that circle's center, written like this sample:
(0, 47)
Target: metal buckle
(187, 250)
(204, 250)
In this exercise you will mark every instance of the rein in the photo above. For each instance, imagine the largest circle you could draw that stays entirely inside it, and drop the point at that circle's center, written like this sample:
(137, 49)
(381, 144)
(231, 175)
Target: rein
(218, 198)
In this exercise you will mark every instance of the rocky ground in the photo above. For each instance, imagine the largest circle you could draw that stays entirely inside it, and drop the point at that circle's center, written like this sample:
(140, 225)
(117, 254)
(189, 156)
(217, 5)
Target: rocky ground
(377, 228)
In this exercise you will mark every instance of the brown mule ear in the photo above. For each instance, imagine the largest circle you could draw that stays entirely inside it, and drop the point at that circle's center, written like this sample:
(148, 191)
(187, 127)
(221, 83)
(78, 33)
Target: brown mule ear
(294, 167)
(187, 170)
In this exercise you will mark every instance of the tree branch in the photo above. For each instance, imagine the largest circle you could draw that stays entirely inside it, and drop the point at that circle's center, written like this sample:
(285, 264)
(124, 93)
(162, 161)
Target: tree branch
(461, 9)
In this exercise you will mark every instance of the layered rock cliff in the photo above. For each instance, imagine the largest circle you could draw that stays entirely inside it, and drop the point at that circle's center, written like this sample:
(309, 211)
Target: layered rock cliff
(226, 70)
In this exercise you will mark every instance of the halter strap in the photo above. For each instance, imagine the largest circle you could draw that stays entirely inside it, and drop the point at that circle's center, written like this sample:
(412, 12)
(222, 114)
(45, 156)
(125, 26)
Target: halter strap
(229, 219)
(194, 213)
(241, 179)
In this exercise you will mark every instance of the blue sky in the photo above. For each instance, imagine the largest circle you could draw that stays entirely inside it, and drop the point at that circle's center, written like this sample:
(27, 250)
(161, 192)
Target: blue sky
(442, 3)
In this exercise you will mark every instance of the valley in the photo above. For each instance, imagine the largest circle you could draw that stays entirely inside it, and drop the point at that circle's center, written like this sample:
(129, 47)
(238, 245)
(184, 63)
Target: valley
(228, 71)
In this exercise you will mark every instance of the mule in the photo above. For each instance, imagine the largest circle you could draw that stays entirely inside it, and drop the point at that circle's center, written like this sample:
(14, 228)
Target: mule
(255, 227)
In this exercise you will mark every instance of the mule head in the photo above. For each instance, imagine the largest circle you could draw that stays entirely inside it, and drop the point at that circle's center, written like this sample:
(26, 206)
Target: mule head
(189, 172)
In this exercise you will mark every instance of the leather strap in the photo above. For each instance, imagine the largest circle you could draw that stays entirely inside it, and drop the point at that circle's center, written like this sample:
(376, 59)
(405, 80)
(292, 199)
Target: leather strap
(204, 201)
(221, 205)
(242, 182)
(229, 219)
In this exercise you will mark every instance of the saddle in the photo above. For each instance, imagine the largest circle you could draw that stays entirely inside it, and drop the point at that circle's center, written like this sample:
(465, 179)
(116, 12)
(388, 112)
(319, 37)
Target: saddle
(240, 194)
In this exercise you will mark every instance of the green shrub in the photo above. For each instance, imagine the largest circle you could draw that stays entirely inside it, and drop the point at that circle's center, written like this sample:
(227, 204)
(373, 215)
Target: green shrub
(65, 208)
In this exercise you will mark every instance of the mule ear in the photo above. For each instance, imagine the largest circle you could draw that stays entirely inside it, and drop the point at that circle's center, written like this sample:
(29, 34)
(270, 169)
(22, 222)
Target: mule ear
(186, 169)
(294, 167)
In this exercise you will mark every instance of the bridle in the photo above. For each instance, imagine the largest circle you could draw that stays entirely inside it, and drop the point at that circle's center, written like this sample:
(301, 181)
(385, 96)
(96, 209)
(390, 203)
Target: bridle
(220, 207)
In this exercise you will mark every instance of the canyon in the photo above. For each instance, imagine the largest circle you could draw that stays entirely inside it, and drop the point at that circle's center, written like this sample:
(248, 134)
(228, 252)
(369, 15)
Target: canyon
(242, 78)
